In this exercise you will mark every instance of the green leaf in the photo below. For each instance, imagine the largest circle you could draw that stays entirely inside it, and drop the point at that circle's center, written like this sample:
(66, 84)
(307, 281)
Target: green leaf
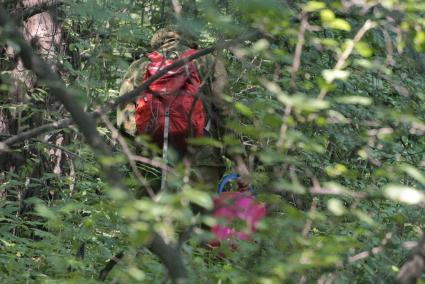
(339, 24)
(404, 194)
(363, 49)
(260, 45)
(243, 109)
(336, 207)
(353, 100)
(43, 211)
(414, 173)
(203, 199)
(326, 16)
(419, 40)
(313, 6)
(205, 141)
(332, 75)
(335, 170)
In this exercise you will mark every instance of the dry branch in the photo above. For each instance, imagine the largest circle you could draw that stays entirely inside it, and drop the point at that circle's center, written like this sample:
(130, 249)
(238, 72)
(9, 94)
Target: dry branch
(34, 132)
(26, 13)
(169, 255)
(127, 97)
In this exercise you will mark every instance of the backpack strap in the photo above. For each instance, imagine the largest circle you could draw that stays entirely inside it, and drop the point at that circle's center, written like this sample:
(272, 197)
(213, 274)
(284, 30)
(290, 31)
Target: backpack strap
(165, 146)
(173, 55)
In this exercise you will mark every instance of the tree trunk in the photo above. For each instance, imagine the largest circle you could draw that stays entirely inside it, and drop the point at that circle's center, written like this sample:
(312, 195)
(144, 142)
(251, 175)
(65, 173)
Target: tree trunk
(45, 36)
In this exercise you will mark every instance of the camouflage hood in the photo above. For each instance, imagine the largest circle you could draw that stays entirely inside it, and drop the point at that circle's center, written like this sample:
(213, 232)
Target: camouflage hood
(169, 37)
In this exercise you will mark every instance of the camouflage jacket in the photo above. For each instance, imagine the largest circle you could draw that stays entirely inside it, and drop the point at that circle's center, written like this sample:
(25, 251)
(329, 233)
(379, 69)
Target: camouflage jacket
(213, 76)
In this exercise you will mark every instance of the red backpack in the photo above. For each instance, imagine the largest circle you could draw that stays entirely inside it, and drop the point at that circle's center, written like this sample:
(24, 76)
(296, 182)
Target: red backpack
(163, 110)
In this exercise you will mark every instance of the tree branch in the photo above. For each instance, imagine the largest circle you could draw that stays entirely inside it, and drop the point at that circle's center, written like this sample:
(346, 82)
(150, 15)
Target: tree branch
(169, 255)
(110, 265)
(127, 97)
(347, 52)
(4, 145)
(143, 87)
(27, 13)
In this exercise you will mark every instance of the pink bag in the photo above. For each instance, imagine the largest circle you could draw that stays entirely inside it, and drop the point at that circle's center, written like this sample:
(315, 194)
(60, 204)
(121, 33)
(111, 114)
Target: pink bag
(233, 207)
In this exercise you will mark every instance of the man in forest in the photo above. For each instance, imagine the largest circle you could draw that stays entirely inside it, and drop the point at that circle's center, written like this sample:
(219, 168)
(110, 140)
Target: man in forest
(170, 43)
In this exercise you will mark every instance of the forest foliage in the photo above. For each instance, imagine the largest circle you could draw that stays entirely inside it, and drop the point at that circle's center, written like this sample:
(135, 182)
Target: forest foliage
(329, 107)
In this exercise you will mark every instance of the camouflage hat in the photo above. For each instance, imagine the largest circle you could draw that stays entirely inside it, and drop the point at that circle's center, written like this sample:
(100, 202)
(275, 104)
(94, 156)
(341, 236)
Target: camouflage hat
(165, 35)
(171, 35)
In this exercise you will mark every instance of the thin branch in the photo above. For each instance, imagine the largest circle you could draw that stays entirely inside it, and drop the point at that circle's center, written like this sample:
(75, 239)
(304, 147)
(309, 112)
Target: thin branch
(294, 69)
(299, 49)
(347, 52)
(143, 87)
(50, 145)
(309, 222)
(376, 250)
(170, 256)
(153, 163)
(128, 154)
(365, 254)
(27, 13)
(4, 145)
(284, 126)
(110, 265)
(127, 97)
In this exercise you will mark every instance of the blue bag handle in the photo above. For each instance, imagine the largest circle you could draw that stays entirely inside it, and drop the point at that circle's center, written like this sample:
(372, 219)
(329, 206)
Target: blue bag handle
(226, 179)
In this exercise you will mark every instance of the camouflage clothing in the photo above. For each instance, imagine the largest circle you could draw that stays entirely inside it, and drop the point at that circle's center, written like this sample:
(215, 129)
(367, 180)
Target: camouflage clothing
(213, 76)
(211, 70)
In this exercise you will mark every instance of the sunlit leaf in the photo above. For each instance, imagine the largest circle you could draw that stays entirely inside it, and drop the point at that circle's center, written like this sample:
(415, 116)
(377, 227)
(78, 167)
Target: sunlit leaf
(313, 6)
(206, 141)
(336, 206)
(332, 75)
(414, 173)
(355, 100)
(243, 109)
(203, 199)
(404, 194)
(327, 16)
(363, 49)
(339, 24)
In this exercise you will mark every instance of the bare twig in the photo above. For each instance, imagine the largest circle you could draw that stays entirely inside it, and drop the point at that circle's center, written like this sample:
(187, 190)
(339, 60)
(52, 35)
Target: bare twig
(127, 97)
(299, 49)
(128, 154)
(389, 48)
(294, 69)
(284, 126)
(347, 52)
(169, 255)
(373, 251)
(4, 145)
(72, 176)
(50, 145)
(365, 254)
(110, 265)
(153, 163)
(309, 222)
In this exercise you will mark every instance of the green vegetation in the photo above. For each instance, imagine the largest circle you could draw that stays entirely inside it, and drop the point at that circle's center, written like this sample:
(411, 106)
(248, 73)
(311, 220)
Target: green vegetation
(329, 103)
